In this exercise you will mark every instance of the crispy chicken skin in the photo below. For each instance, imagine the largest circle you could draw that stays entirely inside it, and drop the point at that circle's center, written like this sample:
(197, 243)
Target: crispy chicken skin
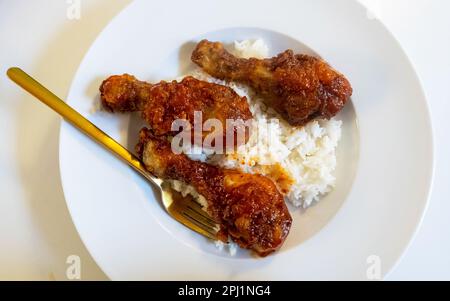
(299, 87)
(165, 102)
(248, 207)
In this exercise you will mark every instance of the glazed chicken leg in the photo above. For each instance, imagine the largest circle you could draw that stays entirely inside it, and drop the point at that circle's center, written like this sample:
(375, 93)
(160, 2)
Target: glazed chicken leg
(299, 87)
(248, 207)
(165, 102)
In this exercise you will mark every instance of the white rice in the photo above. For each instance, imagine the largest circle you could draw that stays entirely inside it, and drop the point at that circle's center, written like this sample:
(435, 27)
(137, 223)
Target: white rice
(251, 48)
(306, 155)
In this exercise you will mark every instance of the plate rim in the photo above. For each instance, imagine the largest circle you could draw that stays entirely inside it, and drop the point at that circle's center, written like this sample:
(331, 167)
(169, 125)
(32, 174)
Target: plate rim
(427, 112)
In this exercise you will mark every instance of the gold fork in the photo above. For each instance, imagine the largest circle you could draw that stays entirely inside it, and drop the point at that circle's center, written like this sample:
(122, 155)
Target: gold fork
(183, 209)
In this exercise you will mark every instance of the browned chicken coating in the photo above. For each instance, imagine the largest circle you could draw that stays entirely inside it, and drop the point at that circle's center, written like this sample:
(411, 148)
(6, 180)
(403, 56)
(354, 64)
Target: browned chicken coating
(165, 102)
(299, 87)
(248, 207)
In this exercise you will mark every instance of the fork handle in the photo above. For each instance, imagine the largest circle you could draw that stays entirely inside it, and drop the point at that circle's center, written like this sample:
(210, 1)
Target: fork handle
(68, 113)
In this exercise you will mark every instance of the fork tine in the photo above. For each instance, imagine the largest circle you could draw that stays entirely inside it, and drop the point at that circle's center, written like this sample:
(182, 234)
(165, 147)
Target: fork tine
(189, 204)
(206, 227)
(201, 215)
(193, 225)
(195, 204)
(191, 214)
(199, 210)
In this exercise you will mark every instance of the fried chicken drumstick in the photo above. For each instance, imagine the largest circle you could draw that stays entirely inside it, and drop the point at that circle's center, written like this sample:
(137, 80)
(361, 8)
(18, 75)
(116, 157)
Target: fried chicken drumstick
(165, 102)
(248, 207)
(299, 87)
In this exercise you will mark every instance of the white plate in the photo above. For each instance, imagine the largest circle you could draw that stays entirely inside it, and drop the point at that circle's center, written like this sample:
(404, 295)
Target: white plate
(385, 159)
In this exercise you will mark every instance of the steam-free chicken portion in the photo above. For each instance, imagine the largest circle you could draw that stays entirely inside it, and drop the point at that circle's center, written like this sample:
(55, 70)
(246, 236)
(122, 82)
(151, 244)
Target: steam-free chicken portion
(248, 207)
(299, 87)
(165, 102)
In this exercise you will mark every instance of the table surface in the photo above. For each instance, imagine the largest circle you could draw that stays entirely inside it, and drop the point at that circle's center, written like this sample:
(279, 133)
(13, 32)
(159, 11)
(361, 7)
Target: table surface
(36, 231)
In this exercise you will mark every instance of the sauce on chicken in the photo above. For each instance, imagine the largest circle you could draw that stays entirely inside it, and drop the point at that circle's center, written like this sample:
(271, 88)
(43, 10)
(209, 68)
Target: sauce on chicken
(163, 103)
(248, 207)
(299, 87)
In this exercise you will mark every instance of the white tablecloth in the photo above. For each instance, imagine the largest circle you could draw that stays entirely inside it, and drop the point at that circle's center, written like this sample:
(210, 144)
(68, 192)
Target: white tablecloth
(36, 232)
